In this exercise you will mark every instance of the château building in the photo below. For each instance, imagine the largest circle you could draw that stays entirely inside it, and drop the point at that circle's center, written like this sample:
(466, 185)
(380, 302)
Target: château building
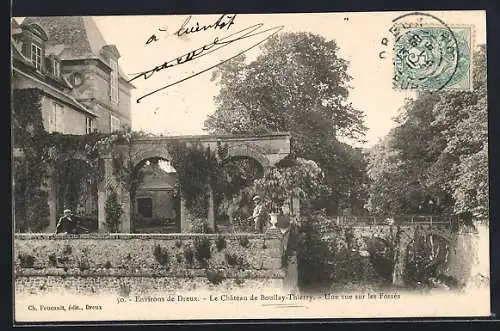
(80, 89)
(78, 73)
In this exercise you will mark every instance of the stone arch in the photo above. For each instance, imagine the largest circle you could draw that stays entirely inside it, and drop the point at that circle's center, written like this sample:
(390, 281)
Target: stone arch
(67, 174)
(249, 152)
(154, 195)
(381, 256)
(142, 152)
(75, 156)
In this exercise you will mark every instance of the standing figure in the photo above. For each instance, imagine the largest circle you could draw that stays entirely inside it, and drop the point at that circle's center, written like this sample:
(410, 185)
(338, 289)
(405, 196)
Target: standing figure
(259, 214)
(66, 223)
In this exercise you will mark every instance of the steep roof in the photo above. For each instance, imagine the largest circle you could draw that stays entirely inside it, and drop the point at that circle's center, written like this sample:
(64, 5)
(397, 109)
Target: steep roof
(72, 37)
(15, 27)
(18, 55)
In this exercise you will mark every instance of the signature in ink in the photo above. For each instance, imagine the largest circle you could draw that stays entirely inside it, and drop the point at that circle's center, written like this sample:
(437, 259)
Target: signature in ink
(206, 49)
(219, 24)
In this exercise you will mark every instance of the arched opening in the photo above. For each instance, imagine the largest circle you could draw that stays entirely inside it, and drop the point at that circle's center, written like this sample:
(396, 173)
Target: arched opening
(233, 198)
(76, 189)
(381, 257)
(155, 197)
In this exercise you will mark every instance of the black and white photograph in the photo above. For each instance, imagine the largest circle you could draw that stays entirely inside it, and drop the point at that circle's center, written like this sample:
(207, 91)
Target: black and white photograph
(250, 166)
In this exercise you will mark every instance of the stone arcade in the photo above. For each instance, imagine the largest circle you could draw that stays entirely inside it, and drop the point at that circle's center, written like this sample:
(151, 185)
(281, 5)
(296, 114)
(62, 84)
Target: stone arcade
(267, 150)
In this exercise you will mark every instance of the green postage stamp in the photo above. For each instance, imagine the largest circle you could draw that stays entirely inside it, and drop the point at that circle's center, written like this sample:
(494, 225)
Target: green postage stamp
(433, 58)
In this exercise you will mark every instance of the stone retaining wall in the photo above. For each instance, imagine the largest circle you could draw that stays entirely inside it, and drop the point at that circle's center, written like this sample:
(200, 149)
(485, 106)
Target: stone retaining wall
(97, 263)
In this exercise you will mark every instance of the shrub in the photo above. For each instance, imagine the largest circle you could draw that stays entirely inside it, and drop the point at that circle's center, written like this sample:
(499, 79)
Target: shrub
(313, 255)
(124, 290)
(231, 259)
(220, 243)
(239, 281)
(179, 258)
(63, 260)
(83, 264)
(189, 254)
(67, 250)
(26, 260)
(107, 265)
(161, 255)
(215, 276)
(244, 242)
(200, 225)
(53, 260)
(178, 243)
(114, 211)
(203, 250)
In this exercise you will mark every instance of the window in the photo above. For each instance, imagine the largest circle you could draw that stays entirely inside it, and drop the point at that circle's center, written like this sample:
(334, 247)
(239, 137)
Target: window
(57, 68)
(58, 112)
(115, 123)
(89, 125)
(145, 207)
(52, 119)
(114, 81)
(36, 56)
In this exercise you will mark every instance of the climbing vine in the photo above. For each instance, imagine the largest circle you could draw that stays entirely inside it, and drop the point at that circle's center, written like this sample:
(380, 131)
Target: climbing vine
(199, 170)
(113, 211)
(196, 168)
(30, 200)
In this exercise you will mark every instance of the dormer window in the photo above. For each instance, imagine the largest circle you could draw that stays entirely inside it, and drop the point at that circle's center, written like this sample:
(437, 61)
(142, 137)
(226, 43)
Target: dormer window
(36, 56)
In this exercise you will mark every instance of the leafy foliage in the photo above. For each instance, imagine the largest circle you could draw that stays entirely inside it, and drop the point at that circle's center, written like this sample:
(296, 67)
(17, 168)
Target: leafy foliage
(26, 260)
(30, 172)
(313, 255)
(215, 277)
(161, 255)
(298, 84)
(303, 179)
(189, 254)
(244, 242)
(234, 259)
(221, 243)
(202, 250)
(435, 160)
(114, 211)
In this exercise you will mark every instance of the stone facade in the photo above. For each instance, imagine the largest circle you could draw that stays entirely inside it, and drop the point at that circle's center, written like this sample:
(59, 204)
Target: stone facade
(34, 69)
(75, 67)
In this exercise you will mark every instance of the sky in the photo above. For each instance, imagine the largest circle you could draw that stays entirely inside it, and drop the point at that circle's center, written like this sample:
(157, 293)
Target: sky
(183, 108)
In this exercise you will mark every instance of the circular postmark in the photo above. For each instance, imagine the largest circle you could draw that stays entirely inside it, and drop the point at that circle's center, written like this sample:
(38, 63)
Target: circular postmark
(428, 57)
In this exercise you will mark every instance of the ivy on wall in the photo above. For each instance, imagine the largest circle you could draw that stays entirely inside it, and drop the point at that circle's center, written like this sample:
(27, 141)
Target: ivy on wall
(31, 206)
(199, 169)
(113, 211)
(195, 167)
(41, 151)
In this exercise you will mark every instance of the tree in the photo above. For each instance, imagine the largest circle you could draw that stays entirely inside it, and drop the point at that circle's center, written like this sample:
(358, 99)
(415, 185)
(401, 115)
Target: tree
(302, 179)
(435, 159)
(298, 84)
(466, 115)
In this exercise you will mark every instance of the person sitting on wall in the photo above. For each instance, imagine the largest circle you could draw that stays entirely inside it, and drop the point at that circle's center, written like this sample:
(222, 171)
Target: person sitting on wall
(259, 215)
(67, 223)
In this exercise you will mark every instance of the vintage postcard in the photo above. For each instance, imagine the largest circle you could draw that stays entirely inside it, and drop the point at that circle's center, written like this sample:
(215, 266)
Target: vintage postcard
(237, 166)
